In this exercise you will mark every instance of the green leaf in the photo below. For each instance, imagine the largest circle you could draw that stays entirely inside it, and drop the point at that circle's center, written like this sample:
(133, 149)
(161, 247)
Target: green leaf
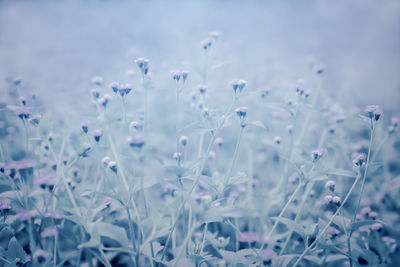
(291, 225)
(177, 170)
(15, 250)
(112, 231)
(259, 124)
(341, 172)
(233, 257)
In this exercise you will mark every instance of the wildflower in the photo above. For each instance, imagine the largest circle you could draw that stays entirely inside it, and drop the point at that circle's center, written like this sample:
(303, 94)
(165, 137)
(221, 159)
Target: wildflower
(136, 141)
(264, 92)
(183, 140)
(125, 89)
(373, 215)
(206, 113)
(318, 153)
(211, 155)
(97, 134)
(206, 44)
(241, 112)
(390, 242)
(294, 178)
(319, 69)
(359, 159)
(185, 74)
(105, 161)
(332, 231)
(95, 92)
(177, 156)
(364, 229)
(104, 100)
(4, 206)
(97, 80)
(112, 165)
(328, 199)
(23, 101)
(249, 237)
(24, 215)
(365, 211)
(373, 112)
(143, 64)
(85, 126)
(307, 93)
(290, 128)
(47, 180)
(23, 112)
(35, 119)
(219, 141)
(339, 118)
(55, 214)
(268, 255)
(86, 148)
(114, 86)
(337, 200)
(238, 84)
(17, 81)
(330, 185)
(40, 256)
(176, 75)
(202, 89)
(49, 232)
(277, 140)
(376, 227)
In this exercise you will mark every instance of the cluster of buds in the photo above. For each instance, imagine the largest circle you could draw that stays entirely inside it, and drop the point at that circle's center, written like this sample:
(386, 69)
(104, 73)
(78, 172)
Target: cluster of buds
(241, 113)
(207, 43)
(373, 112)
(143, 65)
(178, 74)
(238, 85)
(302, 92)
(332, 200)
(122, 89)
(264, 92)
(23, 112)
(112, 165)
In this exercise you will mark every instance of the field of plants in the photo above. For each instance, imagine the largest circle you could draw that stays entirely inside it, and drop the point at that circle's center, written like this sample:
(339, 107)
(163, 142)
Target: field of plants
(224, 152)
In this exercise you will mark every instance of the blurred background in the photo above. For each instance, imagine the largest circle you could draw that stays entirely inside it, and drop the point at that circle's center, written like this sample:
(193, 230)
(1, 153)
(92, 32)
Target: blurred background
(57, 46)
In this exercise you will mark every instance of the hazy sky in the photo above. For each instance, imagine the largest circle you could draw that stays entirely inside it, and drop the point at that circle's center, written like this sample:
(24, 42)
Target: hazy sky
(56, 46)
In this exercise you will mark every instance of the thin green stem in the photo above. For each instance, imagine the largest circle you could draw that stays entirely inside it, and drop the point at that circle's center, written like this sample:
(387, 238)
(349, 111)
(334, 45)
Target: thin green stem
(281, 214)
(329, 223)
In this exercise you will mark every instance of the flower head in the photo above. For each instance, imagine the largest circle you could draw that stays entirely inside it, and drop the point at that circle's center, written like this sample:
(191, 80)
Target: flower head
(238, 84)
(373, 112)
(136, 141)
(97, 134)
(143, 64)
